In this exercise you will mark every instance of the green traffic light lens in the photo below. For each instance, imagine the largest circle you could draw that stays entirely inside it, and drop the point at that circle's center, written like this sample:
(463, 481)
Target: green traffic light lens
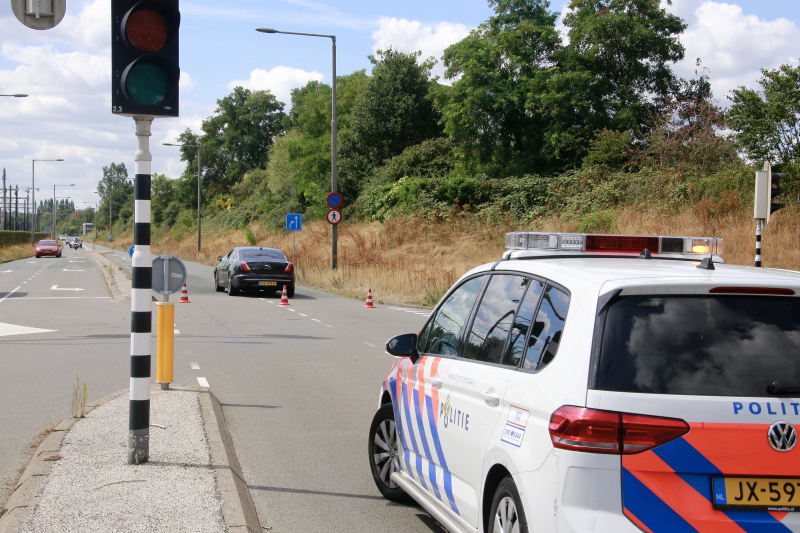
(147, 84)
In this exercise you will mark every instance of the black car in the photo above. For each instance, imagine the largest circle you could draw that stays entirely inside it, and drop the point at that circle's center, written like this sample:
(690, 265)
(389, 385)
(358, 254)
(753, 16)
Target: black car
(254, 268)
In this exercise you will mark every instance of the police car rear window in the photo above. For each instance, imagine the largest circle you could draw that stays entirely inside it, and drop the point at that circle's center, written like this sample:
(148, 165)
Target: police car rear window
(709, 346)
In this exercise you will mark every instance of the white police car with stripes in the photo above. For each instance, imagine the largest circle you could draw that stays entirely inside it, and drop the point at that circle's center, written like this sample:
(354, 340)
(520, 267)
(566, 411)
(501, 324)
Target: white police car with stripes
(599, 383)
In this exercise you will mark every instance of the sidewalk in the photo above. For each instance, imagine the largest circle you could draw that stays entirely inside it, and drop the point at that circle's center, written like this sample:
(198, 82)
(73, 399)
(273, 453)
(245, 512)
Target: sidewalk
(79, 479)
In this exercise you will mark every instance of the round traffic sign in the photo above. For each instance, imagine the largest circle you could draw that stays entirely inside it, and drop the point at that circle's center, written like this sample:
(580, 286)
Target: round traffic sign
(334, 216)
(130, 252)
(334, 200)
(169, 274)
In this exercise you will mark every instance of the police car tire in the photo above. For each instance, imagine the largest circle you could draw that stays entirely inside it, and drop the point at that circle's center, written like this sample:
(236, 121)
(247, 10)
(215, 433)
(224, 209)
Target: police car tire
(395, 494)
(507, 495)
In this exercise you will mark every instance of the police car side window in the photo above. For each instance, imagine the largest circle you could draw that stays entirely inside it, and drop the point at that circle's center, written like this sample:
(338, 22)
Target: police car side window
(446, 327)
(495, 318)
(522, 323)
(546, 330)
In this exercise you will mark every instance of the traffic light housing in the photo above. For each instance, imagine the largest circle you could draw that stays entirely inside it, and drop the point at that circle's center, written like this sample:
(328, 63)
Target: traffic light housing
(145, 70)
(767, 189)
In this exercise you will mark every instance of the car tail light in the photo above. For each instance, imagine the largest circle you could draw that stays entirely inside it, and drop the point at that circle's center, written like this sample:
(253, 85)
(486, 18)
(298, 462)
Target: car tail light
(288, 268)
(591, 430)
(245, 267)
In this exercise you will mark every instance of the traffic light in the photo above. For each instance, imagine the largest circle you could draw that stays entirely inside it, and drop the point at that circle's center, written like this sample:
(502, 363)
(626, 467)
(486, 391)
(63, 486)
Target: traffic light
(144, 57)
(775, 190)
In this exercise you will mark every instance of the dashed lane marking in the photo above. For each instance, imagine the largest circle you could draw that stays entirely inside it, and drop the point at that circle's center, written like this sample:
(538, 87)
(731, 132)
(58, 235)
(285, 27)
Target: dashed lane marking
(330, 326)
(203, 382)
(10, 293)
(194, 365)
(370, 344)
(176, 331)
(315, 320)
(301, 314)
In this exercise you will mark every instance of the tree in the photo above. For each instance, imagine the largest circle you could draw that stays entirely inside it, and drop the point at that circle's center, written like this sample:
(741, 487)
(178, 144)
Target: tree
(236, 139)
(767, 122)
(163, 194)
(115, 191)
(491, 111)
(393, 113)
(611, 74)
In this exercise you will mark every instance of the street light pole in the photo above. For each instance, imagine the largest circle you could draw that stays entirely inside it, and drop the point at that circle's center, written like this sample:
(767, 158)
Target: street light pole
(334, 168)
(33, 186)
(55, 220)
(198, 184)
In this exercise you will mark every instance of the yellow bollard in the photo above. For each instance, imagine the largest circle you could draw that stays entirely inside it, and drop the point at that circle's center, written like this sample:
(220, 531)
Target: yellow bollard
(165, 342)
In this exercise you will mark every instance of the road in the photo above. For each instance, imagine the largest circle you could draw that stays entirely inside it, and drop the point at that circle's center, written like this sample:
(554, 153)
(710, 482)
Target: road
(298, 385)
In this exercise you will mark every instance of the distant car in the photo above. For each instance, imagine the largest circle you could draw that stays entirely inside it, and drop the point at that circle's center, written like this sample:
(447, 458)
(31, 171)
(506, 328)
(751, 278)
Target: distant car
(49, 247)
(254, 268)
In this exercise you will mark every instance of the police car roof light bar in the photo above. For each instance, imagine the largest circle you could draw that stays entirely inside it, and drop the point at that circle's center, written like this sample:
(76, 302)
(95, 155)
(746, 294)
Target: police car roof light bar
(554, 243)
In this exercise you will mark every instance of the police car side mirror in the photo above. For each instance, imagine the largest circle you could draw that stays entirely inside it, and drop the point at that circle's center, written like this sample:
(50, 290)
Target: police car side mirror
(404, 345)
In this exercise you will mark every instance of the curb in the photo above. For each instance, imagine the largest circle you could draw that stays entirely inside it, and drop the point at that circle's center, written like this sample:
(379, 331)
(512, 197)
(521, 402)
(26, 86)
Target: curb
(238, 509)
(113, 288)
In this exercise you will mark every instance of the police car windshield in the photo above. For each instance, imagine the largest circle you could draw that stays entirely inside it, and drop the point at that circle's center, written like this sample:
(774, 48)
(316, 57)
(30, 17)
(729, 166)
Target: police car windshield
(709, 346)
(264, 254)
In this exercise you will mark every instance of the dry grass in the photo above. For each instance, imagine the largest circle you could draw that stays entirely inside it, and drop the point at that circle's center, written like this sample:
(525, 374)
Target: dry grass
(16, 251)
(410, 261)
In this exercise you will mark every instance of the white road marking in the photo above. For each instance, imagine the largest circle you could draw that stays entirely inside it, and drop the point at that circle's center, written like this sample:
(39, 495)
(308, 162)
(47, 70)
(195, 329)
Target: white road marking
(65, 270)
(6, 271)
(423, 314)
(330, 326)
(64, 298)
(203, 382)
(55, 288)
(29, 262)
(301, 314)
(194, 365)
(10, 293)
(292, 310)
(370, 344)
(176, 331)
(10, 329)
(315, 320)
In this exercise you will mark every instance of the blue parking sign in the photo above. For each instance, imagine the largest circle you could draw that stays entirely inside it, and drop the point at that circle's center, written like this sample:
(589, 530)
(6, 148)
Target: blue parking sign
(294, 222)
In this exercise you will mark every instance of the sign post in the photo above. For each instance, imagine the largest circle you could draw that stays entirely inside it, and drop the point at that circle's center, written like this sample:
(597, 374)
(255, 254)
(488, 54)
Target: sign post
(294, 222)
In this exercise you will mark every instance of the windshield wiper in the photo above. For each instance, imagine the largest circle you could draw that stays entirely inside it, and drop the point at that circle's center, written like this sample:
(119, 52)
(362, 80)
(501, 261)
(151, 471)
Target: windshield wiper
(779, 388)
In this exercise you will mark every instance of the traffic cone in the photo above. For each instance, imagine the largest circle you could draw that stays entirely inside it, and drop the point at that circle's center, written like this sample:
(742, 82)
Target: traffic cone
(284, 297)
(184, 296)
(369, 305)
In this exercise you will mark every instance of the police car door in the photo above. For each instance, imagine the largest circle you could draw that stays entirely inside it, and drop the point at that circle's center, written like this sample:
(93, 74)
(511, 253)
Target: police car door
(419, 427)
(474, 387)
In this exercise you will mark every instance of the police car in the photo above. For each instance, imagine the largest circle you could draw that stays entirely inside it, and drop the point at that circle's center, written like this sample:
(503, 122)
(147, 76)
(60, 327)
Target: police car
(599, 383)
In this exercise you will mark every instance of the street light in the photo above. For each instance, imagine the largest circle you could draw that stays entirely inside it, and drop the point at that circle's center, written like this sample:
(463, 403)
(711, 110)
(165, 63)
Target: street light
(334, 232)
(33, 186)
(15, 95)
(55, 220)
(198, 184)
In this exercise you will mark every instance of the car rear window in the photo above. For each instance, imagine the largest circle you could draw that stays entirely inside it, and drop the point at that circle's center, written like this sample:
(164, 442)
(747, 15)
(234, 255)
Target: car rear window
(47, 243)
(709, 346)
(264, 254)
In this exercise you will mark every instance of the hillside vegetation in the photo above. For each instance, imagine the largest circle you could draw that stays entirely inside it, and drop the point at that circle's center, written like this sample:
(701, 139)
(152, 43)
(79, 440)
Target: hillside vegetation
(594, 133)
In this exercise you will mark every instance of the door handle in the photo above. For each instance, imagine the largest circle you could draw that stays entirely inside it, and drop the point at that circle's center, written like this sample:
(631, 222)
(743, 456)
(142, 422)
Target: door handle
(490, 397)
(436, 381)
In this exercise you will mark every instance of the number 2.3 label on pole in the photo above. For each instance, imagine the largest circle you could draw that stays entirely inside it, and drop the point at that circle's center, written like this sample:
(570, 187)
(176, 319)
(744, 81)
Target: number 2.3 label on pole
(334, 216)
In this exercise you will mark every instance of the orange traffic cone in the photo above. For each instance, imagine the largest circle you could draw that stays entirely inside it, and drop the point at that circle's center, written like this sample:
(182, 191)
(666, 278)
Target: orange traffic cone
(184, 296)
(284, 297)
(369, 305)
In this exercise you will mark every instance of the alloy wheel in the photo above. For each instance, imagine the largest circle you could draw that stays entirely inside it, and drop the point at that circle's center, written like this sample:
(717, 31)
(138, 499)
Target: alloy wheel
(386, 456)
(506, 519)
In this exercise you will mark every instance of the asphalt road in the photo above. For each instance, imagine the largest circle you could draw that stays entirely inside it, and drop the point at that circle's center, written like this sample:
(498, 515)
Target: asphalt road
(298, 385)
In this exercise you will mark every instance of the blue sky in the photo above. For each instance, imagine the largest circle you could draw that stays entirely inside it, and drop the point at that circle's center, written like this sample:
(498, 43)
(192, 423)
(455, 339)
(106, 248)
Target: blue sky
(67, 70)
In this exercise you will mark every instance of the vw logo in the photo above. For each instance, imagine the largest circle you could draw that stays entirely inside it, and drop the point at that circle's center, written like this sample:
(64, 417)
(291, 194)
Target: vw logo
(782, 436)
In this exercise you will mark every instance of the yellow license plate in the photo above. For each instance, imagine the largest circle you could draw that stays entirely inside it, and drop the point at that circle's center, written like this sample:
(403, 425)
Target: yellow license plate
(757, 493)
(268, 283)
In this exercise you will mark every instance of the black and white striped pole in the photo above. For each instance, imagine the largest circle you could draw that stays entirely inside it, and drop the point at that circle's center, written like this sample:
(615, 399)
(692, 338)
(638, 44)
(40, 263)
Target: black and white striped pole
(759, 225)
(141, 312)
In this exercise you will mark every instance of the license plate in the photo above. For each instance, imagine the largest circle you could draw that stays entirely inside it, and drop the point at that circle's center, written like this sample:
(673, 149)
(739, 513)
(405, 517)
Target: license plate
(268, 283)
(757, 493)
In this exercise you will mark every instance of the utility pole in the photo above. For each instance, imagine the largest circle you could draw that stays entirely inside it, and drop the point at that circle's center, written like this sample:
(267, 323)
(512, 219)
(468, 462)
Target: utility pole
(5, 210)
(16, 208)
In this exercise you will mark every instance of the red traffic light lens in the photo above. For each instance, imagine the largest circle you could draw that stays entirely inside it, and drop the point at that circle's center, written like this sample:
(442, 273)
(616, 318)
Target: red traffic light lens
(146, 30)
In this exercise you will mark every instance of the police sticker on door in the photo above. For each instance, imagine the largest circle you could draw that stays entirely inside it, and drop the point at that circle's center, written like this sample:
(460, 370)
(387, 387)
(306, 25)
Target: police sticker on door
(516, 422)
(513, 435)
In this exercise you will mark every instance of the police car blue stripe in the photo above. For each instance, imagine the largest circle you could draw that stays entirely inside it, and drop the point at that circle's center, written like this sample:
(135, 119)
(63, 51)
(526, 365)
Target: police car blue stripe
(419, 471)
(650, 509)
(411, 435)
(423, 437)
(448, 488)
(397, 418)
(432, 477)
(693, 467)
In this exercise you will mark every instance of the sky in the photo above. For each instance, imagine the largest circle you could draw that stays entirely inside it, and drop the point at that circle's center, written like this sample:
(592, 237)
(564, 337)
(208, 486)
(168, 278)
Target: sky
(66, 70)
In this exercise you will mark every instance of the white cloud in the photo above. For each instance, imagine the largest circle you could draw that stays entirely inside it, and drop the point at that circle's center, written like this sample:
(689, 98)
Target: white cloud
(280, 81)
(187, 83)
(733, 45)
(412, 36)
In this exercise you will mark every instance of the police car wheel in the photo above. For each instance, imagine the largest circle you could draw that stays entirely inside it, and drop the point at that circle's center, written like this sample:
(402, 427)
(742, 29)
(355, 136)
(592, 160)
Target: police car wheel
(507, 515)
(384, 454)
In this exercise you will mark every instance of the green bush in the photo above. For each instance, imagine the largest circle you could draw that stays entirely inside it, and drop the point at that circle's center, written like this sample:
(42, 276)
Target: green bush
(10, 238)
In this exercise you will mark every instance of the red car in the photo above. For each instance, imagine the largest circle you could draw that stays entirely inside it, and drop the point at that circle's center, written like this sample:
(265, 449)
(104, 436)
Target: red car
(48, 248)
